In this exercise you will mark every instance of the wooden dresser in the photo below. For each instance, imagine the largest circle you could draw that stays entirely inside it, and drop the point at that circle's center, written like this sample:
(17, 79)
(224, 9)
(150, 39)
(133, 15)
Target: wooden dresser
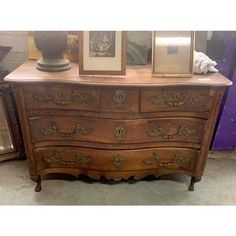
(116, 126)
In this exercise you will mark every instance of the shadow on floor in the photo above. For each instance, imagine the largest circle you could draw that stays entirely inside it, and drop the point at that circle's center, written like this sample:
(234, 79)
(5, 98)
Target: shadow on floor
(85, 179)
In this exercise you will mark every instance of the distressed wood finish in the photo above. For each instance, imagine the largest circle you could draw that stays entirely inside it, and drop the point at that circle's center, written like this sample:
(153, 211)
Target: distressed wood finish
(182, 159)
(116, 126)
(198, 99)
(136, 76)
(75, 128)
(61, 97)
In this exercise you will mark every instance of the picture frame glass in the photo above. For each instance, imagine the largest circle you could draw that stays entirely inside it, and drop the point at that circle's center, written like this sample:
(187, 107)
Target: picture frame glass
(173, 52)
(6, 144)
(102, 43)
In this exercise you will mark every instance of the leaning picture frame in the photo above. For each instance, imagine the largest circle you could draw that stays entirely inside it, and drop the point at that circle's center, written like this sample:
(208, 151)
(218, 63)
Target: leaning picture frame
(173, 53)
(102, 52)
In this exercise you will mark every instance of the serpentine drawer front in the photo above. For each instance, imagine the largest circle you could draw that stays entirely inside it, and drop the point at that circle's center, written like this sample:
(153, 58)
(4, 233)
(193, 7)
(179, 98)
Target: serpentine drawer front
(194, 99)
(117, 127)
(56, 128)
(119, 160)
(62, 97)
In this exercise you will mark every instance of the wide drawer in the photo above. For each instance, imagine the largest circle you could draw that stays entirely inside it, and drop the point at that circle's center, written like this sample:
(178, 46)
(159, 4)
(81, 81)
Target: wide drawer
(74, 128)
(186, 99)
(62, 97)
(119, 160)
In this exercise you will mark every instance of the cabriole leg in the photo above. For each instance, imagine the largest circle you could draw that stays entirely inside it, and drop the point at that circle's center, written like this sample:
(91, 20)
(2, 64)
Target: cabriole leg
(194, 180)
(37, 179)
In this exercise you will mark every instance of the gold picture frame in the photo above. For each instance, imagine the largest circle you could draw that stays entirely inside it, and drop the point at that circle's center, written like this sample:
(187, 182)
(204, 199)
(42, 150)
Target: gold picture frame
(172, 53)
(102, 52)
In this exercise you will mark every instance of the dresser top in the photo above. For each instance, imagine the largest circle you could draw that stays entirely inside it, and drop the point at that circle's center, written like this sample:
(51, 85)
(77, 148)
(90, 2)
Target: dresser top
(136, 75)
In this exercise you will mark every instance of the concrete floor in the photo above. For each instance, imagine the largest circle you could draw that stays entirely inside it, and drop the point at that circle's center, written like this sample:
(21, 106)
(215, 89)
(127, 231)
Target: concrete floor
(216, 188)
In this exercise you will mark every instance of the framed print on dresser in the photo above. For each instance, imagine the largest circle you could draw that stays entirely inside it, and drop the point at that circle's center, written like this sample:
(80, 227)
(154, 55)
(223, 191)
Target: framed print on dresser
(102, 52)
(173, 53)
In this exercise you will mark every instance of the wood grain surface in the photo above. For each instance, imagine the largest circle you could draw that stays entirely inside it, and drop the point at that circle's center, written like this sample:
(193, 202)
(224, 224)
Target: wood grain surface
(116, 126)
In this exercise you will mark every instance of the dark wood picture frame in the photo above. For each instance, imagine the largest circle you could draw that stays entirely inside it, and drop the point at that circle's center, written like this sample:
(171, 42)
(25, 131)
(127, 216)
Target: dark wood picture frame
(121, 71)
(11, 115)
(172, 48)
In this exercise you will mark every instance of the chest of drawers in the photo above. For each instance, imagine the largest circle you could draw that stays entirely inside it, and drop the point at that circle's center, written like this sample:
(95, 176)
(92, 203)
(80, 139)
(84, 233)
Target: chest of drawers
(116, 126)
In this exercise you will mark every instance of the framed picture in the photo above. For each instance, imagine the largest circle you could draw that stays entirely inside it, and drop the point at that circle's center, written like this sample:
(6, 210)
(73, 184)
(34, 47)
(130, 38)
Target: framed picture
(102, 52)
(172, 53)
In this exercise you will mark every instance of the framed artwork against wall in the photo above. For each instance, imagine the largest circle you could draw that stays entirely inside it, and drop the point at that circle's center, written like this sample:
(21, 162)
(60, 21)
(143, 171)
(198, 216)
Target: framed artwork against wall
(172, 53)
(102, 52)
(11, 142)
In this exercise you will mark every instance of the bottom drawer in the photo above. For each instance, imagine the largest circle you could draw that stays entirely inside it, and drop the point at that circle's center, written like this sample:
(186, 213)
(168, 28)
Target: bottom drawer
(116, 160)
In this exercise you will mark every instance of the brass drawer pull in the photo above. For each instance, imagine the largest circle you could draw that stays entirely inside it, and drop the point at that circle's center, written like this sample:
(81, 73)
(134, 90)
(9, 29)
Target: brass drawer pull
(75, 97)
(119, 97)
(56, 159)
(118, 161)
(54, 130)
(175, 162)
(180, 132)
(119, 131)
(176, 100)
(153, 160)
(80, 158)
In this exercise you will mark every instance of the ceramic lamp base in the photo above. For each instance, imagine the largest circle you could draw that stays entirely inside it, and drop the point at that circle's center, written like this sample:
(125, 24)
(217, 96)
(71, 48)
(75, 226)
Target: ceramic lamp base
(53, 65)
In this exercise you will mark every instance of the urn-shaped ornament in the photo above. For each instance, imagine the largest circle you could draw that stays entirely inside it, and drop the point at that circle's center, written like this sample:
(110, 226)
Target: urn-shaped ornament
(52, 45)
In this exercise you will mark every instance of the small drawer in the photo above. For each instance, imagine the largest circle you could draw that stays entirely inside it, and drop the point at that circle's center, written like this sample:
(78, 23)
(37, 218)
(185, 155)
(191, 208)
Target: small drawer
(62, 97)
(114, 99)
(98, 130)
(188, 99)
(119, 160)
